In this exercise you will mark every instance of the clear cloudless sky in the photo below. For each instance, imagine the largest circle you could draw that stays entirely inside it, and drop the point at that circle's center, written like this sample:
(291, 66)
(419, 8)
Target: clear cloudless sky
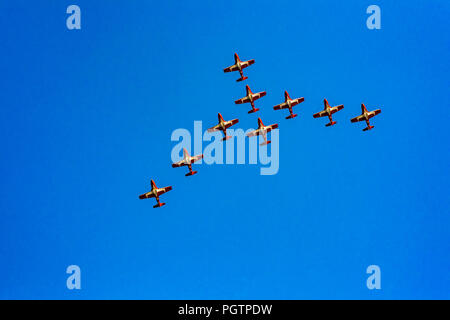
(86, 120)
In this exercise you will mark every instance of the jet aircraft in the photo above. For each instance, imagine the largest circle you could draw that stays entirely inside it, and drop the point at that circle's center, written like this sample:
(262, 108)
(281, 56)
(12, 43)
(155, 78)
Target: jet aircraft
(288, 104)
(365, 116)
(262, 130)
(328, 111)
(239, 66)
(251, 97)
(187, 161)
(223, 126)
(155, 193)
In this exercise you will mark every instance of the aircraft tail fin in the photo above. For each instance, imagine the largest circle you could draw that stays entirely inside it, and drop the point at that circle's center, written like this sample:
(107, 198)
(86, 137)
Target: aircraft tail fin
(159, 205)
(253, 110)
(291, 116)
(190, 173)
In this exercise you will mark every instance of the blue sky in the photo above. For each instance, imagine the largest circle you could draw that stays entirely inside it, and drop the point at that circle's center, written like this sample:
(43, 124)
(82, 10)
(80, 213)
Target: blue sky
(87, 115)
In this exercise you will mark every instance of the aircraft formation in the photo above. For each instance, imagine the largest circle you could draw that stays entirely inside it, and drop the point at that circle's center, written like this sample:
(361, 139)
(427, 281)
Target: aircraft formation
(262, 130)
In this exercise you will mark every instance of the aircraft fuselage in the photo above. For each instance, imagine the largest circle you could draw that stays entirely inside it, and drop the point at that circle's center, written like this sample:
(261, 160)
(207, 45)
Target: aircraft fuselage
(368, 114)
(187, 160)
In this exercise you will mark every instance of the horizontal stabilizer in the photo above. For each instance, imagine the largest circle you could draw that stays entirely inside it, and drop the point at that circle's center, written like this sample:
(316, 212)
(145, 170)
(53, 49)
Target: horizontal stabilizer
(158, 205)
(291, 116)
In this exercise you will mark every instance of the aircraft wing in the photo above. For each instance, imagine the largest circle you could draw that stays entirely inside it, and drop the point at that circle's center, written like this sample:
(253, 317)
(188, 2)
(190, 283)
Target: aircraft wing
(196, 158)
(271, 127)
(358, 118)
(378, 111)
(319, 114)
(164, 190)
(231, 123)
(215, 128)
(256, 132)
(242, 100)
(337, 108)
(259, 95)
(146, 195)
(231, 68)
(297, 101)
(280, 106)
(178, 164)
(245, 64)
